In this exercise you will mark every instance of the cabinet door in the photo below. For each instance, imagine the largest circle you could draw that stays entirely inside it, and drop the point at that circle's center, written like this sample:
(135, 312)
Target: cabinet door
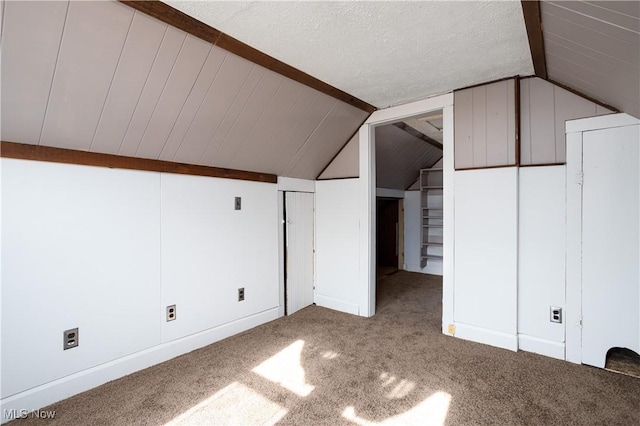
(610, 235)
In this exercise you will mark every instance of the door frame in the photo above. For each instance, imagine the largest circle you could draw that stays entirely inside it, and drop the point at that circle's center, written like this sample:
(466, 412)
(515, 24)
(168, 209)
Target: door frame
(367, 199)
(573, 308)
(286, 184)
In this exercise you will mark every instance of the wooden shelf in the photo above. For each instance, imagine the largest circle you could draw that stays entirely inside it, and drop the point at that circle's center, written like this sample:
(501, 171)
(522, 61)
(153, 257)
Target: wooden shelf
(432, 191)
(431, 256)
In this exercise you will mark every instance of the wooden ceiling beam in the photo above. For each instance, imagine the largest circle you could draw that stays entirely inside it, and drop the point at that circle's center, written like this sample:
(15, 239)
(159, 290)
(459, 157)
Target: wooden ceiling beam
(417, 134)
(180, 20)
(533, 22)
(71, 156)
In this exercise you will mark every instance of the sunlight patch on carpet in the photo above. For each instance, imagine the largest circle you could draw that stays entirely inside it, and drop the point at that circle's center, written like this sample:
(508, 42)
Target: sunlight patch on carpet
(329, 355)
(285, 368)
(398, 388)
(431, 411)
(235, 404)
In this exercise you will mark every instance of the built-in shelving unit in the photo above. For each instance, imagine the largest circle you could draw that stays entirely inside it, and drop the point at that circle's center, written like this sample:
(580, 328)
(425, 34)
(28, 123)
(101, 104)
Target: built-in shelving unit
(431, 189)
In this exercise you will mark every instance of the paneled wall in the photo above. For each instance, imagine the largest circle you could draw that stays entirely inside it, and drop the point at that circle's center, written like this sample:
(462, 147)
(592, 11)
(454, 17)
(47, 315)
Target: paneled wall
(485, 126)
(510, 224)
(544, 109)
(337, 244)
(541, 258)
(486, 255)
(102, 77)
(345, 165)
(106, 250)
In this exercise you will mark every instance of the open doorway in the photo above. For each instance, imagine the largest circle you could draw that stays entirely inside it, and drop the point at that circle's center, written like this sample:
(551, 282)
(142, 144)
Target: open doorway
(388, 235)
(409, 156)
(373, 161)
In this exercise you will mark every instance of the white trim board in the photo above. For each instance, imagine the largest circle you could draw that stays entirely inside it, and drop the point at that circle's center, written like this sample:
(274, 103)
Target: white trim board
(600, 122)
(336, 305)
(367, 190)
(541, 346)
(63, 388)
(296, 185)
(389, 193)
(486, 336)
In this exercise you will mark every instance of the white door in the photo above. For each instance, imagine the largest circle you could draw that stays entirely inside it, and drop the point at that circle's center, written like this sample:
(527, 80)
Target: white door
(299, 248)
(610, 235)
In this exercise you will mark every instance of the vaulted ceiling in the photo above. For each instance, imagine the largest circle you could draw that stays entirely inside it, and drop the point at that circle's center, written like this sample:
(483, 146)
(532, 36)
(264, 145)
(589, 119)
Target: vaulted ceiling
(146, 80)
(103, 77)
(594, 47)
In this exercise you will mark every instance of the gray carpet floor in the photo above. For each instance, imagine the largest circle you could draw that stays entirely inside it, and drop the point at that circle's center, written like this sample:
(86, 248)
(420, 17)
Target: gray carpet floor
(321, 367)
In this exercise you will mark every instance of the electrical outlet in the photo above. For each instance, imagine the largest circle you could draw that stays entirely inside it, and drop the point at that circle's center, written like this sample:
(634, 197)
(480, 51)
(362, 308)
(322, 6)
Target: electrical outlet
(241, 294)
(70, 338)
(555, 314)
(172, 313)
(238, 203)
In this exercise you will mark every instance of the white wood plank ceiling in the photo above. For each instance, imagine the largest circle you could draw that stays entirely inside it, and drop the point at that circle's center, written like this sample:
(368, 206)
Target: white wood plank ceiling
(101, 77)
(400, 156)
(594, 47)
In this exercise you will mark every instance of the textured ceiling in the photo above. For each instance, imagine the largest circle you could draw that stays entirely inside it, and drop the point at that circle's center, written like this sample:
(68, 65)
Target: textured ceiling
(384, 53)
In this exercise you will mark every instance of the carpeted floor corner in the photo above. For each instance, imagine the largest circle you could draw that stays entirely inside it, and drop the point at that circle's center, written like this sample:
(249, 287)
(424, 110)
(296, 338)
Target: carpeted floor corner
(321, 367)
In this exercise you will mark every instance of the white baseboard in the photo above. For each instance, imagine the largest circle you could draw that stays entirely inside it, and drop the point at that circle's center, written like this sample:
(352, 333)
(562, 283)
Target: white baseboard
(541, 346)
(412, 267)
(63, 388)
(486, 336)
(429, 269)
(336, 304)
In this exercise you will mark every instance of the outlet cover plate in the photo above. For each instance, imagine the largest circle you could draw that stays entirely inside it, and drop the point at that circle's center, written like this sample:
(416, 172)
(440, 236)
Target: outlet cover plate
(555, 314)
(70, 338)
(172, 313)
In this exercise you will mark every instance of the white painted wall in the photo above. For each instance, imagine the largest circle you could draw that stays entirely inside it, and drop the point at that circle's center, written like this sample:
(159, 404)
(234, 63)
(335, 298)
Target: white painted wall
(207, 247)
(541, 258)
(412, 231)
(337, 245)
(81, 247)
(486, 229)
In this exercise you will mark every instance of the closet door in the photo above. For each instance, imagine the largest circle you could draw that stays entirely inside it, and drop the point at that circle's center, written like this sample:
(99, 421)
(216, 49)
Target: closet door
(610, 249)
(300, 250)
